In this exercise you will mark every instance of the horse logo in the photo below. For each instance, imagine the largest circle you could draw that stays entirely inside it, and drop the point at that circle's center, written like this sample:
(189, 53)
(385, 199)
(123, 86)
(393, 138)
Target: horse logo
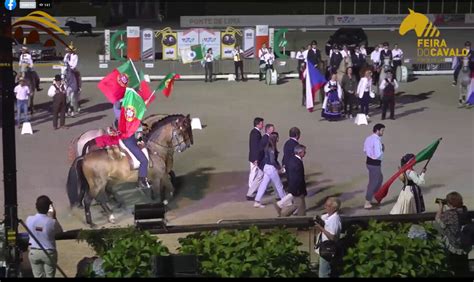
(420, 23)
(130, 113)
(122, 79)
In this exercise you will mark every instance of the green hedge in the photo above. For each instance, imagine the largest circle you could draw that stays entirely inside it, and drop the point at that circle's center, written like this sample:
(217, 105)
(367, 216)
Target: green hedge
(384, 250)
(247, 253)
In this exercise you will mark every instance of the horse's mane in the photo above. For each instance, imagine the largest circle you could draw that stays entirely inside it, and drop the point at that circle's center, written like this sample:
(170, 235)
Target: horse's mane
(155, 128)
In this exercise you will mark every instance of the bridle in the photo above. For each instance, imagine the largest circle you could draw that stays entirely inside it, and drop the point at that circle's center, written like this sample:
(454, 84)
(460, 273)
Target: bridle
(174, 140)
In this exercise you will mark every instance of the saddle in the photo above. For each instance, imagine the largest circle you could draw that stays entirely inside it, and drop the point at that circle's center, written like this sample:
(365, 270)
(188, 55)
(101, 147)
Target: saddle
(132, 160)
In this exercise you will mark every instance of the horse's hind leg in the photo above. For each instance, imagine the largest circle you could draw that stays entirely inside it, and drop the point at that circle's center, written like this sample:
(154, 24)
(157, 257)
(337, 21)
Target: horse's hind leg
(87, 209)
(102, 199)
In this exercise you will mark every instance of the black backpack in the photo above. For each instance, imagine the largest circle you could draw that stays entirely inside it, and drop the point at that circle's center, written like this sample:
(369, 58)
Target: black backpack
(467, 230)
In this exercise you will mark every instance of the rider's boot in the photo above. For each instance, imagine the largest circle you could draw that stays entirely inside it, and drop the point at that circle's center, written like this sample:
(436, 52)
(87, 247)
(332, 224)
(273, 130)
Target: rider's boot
(143, 183)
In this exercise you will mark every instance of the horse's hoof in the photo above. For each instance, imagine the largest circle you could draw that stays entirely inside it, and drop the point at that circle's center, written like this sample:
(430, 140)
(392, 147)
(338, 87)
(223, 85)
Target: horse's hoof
(165, 202)
(112, 219)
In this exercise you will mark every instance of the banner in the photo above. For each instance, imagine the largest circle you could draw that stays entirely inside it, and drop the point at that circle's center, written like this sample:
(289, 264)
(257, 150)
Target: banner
(211, 39)
(228, 43)
(249, 43)
(133, 43)
(169, 41)
(261, 38)
(148, 46)
(107, 44)
(187, 39)
(271, 37)
(245, 21)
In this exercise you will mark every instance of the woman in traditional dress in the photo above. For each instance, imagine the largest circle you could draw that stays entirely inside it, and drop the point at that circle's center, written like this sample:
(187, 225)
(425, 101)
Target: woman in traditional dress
(410, 199)
(332, 105)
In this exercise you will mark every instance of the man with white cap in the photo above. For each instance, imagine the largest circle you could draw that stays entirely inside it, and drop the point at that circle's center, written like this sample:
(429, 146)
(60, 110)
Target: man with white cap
(71, 59)
(26, 62)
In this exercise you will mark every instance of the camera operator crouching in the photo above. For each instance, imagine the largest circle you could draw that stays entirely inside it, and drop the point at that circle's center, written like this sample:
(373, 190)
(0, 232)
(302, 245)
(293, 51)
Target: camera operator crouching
(329, 228)
(450, 218)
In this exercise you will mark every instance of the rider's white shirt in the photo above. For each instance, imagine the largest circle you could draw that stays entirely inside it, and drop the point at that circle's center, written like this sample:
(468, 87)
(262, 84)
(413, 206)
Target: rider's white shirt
(22, 92)
(26, 59)
(397, 54)
(262, 52)
(269, 58)
(73, 60)
(375, 56)
(345, 53)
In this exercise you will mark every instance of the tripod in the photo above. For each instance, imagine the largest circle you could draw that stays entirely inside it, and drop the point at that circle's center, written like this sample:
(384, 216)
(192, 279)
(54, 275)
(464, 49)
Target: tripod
(42, 248)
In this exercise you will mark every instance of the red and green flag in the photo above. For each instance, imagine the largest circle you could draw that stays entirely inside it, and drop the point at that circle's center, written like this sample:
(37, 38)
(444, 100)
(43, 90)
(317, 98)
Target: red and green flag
(166, 85)
(426, 154)
(145, 92)
(113, 85)
(132, 112)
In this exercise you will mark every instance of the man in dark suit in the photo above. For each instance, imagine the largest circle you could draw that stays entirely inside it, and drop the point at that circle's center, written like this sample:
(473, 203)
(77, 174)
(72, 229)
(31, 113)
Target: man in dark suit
(296, 184)
(290, 144)
(269, 128)
(314, 55)
(255, 156)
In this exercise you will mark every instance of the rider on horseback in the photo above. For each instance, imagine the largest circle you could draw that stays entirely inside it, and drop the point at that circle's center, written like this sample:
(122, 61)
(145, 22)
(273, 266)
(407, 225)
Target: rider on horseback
(335, 59)
(134, 143)
(385, 54)
(25, 59)
(71, 60)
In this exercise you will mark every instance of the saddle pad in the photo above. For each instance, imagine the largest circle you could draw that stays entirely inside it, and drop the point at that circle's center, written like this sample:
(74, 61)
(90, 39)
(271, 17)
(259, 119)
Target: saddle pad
(135, 163)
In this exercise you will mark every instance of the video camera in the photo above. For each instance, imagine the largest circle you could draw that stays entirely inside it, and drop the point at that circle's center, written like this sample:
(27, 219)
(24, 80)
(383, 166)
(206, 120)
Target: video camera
(317, 219)
(442, 201)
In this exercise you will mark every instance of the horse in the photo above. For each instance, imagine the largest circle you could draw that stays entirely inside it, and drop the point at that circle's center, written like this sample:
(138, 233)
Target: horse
(93, 173)
(30, 78)
(72, 90)
(464, 78)
(420, 23)
(341, 70)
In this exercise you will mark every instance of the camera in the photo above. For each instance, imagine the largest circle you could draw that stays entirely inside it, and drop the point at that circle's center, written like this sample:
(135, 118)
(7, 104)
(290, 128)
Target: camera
(442, 201)
(317, 219)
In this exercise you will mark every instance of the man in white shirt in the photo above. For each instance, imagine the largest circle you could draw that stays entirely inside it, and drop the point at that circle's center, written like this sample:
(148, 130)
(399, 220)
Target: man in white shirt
(375, 58)
(44, 226)
(305, 53)
(300, 57)
(388, 86)
(397, 57)
(22, 92)
(57, 91)
(208, 59)
(269, 58)
(262, 65)
(330, 231)
(25, 63)
(71, 59)
(374, 150)
(238, 62)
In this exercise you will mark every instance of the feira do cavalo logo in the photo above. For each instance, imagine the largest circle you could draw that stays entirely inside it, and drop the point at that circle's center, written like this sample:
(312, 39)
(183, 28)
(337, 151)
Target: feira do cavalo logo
(430, 46)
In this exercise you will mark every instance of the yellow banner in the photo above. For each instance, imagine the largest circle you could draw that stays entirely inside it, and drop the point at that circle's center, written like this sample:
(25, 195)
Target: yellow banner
(169, 43)
(228, 41)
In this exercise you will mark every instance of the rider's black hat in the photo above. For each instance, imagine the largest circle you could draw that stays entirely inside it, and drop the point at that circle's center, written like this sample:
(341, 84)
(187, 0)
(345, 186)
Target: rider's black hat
(57, 77)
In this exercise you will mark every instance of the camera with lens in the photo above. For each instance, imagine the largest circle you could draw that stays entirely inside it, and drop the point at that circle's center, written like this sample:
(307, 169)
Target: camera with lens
(317, 219)
(442, 201)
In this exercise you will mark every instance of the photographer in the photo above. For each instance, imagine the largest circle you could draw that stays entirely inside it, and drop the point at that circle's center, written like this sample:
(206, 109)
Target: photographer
(451, 215)
(330, 230)
(44, 226)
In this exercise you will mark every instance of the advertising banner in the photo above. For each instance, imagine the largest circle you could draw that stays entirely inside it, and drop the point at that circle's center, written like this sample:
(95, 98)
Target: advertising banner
(271, 37)
(107, 44)
(227, 43)
(249, 43)
(211, 39)
(133, 43)
(148, 45)
(245, 21)
(169, 44)
(187, 39)
(261, 38)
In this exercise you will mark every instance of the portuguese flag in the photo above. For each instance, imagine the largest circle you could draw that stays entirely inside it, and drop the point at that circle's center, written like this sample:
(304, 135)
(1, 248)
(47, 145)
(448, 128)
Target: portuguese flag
(132, 112)
(166, 84)
(426, 154)
(114, 84)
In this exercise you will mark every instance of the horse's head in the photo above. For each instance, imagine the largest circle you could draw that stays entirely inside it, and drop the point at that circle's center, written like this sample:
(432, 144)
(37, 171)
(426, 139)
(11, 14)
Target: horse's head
(414, 20)
(172, 132)
(182, 133)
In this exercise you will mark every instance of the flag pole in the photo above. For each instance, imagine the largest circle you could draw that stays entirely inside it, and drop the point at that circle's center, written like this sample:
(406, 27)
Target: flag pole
(136, 72)
(431, 156)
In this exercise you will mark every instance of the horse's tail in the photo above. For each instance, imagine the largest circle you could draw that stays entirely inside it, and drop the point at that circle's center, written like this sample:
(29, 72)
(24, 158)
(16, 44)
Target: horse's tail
(71, 152)
(75, 181)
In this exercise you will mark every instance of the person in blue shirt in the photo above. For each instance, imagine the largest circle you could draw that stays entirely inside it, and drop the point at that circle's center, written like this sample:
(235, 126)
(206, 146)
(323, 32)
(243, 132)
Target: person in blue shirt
(374, 150)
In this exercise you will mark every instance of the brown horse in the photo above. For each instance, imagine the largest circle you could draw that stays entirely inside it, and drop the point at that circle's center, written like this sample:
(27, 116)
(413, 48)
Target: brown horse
(93, 173)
